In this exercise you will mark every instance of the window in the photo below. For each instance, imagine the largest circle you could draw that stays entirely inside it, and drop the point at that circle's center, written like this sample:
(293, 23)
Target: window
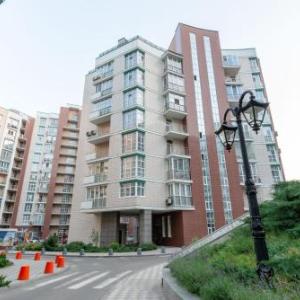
(98, 168)
(133, 97)
(31, 186)
(234, 91)
(169, 228)
(105, 87)
(268, 134)
(253, 64)
(103, 106)
(133, 141)
(8, 144)
(36, 157)
(276, 173)
(28, 207)
(13, 123)
(260, 95)
(105, 70)
(133, 166)
(43, 121)
(67, 188)
(38, 147)
(257, 80)
(179, 168)
(134, 59)
(174, 82)
(134, 77)
(133, 118)
(272, 155)
(29, 197)
(34, 167)
(253, 173)
(174, 64)
(41, 130)
(174, 101)
(5, 155)
(181, 194)
(26, 219)
(230, 60)
(66, 198)
(132, 189)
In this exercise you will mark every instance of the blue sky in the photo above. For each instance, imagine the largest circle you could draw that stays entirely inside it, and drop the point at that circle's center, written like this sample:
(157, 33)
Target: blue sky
(46, 48)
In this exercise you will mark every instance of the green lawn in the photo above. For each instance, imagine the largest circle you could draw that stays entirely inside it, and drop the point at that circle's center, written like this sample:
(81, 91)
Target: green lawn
(227, 270)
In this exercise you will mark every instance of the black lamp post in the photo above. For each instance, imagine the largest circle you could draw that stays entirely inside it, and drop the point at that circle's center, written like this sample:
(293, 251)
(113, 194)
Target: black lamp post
(253, 113)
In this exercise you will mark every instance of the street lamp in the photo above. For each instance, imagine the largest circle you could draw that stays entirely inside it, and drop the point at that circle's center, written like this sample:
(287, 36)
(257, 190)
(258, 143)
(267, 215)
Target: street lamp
(254, 113)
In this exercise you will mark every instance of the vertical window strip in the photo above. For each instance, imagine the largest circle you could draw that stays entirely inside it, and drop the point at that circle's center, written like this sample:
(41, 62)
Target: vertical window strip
(210, 216)
(216, 120)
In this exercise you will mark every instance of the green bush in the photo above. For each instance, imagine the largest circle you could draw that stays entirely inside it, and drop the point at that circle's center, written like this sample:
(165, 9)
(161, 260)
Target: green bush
(30, 247)
(75, 246)
(4, 282)
(4, 262)
(148, 246)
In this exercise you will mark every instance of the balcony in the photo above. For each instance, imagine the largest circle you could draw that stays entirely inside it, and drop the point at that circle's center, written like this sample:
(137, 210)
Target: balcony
(43, 190)
(93, 179)
(5, 222)
(233, 97)
(175, 132)
(10, 200)
(179, 175)
(181, 202)
(99, 95)
(269, 139)
(100, 116)
(3, 170)
(99, 75)
(175, 111)
(231, 65)
(97, 137)
(91, 204)
(92, 157)
(178, 89)
(176, 151)
(13, 188)
(8, 211)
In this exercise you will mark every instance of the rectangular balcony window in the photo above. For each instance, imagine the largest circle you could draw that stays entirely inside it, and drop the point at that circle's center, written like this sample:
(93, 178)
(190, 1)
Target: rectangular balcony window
(133, 167)
(133, 119)
(133, 59)
(133, 78)
(134, 97)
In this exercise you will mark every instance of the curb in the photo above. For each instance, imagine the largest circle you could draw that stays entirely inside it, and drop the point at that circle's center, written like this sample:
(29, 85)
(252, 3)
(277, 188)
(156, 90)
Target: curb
(101, 256)
(172, 290)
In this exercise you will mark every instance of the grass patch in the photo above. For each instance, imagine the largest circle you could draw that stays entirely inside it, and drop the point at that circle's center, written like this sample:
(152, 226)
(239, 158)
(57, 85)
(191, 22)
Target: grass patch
(4, 262)
(226, 271)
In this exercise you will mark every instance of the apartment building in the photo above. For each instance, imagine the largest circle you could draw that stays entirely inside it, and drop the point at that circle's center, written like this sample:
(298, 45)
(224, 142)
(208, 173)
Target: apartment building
(47, 188)
(149, 166)
(15, 135)
(242, 72)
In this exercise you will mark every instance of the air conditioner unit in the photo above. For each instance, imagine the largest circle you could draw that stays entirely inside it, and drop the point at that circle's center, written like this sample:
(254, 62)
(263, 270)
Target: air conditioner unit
(93, 132)
(88, 133)
(169, 201)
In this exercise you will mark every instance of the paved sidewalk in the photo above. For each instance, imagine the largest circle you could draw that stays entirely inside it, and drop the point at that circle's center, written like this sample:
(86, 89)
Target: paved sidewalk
(36, 269)
(167, 251)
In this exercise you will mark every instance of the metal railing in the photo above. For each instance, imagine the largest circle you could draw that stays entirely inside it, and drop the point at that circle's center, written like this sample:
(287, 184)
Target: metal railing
(179, 175)
(100, 112)
(177, 151)
(173, 106)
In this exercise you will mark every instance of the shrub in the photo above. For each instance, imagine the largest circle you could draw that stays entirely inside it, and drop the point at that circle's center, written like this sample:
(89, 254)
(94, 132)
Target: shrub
(75, 246)
(4, 282)
(218, 289)
(148, 246)
(4, 262)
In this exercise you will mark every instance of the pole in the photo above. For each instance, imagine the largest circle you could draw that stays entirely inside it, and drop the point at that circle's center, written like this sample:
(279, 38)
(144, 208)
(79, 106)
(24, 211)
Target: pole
(258, 233)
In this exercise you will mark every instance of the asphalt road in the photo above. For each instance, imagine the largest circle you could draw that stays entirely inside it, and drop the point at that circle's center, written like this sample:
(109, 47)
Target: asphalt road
(113, 278)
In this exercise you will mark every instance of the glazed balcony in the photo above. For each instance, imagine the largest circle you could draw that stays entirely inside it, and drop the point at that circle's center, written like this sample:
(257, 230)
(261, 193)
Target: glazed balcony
(179, 175)
(178, 151)
(93, 204)
(100, 116)
(231, 65)
(99, 95)
(99, 75)
(180, 202)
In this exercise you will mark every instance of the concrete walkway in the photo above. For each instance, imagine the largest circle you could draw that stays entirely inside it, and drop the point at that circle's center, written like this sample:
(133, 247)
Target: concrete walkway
(159, 251)
(36, 269)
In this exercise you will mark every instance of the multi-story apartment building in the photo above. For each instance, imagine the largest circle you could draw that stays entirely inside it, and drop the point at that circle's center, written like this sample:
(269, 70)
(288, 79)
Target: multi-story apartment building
(15, 135)
(153, 168)
(47, 187)
(243, 72)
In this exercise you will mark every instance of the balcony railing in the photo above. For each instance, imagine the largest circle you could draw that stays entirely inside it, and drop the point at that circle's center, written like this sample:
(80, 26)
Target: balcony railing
(174, 106)
(173, 69)
(269, 139)
(102, 93)
(99, 75)
(100, 112)
(181, 201)
(93, 203)
(95, 179)
(177, 151)
(179, 175)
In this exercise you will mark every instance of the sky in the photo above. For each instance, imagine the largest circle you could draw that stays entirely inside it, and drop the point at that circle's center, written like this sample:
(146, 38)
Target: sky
(47, 47)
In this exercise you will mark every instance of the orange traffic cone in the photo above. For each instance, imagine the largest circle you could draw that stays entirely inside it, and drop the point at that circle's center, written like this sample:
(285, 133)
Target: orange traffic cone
(56, 258)
(49, 267)
(61, 262)
(24, 272)
(37, 256)
(19, 255)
